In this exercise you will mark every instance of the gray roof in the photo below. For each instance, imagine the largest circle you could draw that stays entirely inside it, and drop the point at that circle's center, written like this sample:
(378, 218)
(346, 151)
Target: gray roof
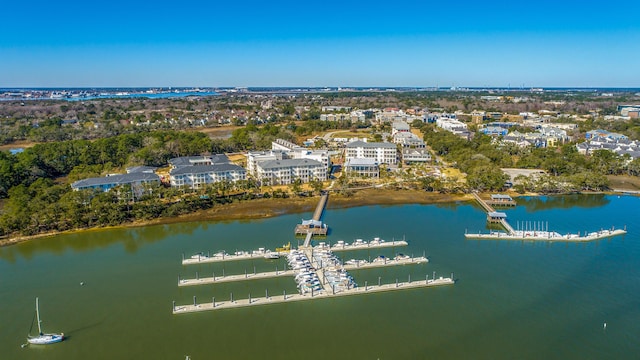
(204, 169)
(361, 162)
(189, 160)
(120, 179)
(274, 164)
(497, 214)
(373, 145)
(139, 169)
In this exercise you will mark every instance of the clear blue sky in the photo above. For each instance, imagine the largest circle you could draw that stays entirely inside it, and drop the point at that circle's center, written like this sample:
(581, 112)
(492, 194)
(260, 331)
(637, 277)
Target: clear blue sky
(320, 43)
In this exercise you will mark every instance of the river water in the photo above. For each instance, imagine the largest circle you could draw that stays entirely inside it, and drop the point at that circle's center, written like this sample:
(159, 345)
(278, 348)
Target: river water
(512, 299)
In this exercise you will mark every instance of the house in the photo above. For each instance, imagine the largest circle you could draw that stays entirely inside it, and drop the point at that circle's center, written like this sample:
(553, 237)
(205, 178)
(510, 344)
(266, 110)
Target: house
(604, 134)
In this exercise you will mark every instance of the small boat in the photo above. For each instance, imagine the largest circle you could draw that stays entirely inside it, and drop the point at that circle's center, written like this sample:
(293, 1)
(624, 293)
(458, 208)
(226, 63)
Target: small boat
(42, 338)
(271, 255)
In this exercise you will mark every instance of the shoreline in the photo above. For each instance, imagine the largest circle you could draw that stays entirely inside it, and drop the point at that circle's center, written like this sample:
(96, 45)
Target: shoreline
(267, 208)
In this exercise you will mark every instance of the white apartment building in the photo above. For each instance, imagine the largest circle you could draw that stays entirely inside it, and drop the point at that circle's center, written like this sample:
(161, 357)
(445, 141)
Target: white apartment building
(197, 176)
(362, 167)
(286, 171)
(383, 153)
(254, 157)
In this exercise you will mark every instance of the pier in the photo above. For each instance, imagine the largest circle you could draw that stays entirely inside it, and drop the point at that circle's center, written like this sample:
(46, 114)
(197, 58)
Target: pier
(234, 278)
(543, 235)
(532, 230)
(314, 226)
(239, 303)
(222, 256)
(359, 244)
(494, 216)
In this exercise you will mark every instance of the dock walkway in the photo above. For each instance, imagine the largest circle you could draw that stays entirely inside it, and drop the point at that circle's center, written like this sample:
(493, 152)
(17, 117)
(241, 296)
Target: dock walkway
(363, 246)
(233, 278)
(547, 236)
(223, 257)
(184, 309)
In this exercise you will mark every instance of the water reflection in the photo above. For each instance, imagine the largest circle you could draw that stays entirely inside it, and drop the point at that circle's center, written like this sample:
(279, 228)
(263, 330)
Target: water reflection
(85, 241)
(563, 202)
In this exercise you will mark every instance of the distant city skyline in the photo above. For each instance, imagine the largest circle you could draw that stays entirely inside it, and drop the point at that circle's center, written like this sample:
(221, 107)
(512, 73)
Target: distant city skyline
(329, 43)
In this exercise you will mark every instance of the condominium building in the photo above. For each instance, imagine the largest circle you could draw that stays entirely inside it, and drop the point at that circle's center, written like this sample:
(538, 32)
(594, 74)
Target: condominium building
(362, 167)
(286, 171)
(383, 153)
(198, 176)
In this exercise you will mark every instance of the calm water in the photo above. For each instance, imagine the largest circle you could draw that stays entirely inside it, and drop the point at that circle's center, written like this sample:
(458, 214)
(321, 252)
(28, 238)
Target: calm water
(513, 300)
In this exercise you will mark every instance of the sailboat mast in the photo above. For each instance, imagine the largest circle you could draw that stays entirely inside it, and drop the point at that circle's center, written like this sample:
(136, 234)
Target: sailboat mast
(38, 315)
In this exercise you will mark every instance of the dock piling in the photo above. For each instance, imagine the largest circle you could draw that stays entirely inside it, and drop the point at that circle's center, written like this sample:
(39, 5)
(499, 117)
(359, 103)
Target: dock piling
(194, 301)
(379, 279)
(231, 297)
(197, 277)
(409, 279)
(249, 298)
(266, 293)
(174, 306)
(213, 301)
(365, 285)
(396, 282)
(254, 269)
(284, 294)
(178, 278)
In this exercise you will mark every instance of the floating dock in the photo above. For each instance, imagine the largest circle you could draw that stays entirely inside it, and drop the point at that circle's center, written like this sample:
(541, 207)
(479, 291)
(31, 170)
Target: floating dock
(229, 304)
(234, 278)
(362, 264)
(547, 235)
(361, 245)
(221, 257)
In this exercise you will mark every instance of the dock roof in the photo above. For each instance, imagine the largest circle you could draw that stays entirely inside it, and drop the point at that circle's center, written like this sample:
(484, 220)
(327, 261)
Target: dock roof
(497, 214)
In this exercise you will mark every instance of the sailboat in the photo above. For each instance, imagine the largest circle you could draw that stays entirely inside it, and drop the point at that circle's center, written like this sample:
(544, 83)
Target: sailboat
(42, 338)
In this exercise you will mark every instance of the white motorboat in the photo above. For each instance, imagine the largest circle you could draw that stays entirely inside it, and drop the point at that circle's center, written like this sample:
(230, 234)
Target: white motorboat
(42, 338)
(271, 255)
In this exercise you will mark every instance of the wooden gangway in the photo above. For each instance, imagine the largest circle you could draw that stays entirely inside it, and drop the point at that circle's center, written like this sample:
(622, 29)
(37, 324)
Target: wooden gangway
(501, 218)
(318, 227)
(317, 215)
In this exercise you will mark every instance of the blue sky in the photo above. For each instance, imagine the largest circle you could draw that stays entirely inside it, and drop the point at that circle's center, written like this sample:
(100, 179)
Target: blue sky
(320, 43)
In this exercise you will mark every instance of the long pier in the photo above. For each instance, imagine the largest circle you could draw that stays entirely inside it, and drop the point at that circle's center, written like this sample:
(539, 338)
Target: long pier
(266, 300)
(361, 245)
(202, 259)
(233, 278)
(547, 236)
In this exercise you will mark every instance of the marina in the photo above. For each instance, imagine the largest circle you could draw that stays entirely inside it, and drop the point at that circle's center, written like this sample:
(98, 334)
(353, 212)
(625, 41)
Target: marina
(317, 271)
